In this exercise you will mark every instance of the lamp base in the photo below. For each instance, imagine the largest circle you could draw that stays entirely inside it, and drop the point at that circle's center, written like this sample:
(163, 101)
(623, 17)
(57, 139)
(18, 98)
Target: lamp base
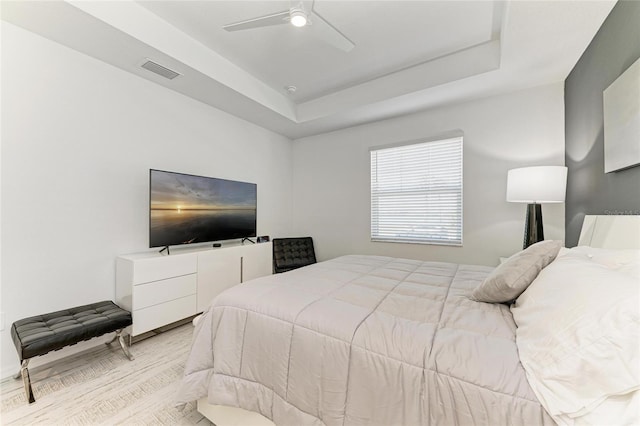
(533, 231)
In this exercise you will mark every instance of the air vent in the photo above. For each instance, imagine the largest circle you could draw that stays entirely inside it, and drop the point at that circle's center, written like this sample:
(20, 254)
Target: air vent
(160, 70)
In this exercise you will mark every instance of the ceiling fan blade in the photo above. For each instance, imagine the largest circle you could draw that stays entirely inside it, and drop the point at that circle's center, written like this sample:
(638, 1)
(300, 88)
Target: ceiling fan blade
(261, 21)
(331, 34)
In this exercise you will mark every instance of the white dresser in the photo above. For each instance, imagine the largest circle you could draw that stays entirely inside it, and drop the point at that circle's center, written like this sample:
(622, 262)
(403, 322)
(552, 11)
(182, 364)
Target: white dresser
(160, 289)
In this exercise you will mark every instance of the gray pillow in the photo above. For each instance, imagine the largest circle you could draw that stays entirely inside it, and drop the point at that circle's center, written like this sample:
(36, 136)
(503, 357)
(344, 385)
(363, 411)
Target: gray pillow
(512, 277)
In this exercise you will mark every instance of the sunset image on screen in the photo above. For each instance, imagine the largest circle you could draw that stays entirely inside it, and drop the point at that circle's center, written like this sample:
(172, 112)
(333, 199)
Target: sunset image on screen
(189, 209)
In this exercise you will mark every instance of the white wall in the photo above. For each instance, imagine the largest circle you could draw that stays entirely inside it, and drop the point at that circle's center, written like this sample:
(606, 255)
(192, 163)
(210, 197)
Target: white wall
(331, 189)
(78, 139)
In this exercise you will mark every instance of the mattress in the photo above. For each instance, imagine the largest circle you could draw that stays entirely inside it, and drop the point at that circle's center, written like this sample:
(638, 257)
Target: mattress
(363, 340)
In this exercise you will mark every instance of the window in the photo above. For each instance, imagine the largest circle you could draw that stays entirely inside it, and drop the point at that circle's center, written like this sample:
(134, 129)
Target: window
(416, 193)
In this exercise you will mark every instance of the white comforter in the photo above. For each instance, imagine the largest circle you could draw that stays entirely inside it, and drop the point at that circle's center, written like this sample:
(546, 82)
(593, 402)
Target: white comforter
(363, 340)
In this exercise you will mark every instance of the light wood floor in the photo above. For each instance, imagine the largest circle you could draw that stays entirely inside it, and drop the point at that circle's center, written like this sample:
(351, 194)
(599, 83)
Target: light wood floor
(102, 387)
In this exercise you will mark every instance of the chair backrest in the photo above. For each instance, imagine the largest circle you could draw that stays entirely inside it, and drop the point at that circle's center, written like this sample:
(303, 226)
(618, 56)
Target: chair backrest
(292, 253)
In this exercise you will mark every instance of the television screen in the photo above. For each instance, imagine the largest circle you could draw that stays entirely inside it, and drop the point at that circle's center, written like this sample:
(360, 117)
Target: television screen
(186, 209)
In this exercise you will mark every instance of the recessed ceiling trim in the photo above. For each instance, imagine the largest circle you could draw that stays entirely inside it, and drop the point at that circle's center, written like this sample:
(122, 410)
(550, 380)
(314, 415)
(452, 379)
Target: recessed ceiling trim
(498, 19)
(136, 21)
(446, 69)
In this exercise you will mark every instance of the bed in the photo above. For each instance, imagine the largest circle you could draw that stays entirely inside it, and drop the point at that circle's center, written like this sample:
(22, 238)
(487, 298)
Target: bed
(371, 340)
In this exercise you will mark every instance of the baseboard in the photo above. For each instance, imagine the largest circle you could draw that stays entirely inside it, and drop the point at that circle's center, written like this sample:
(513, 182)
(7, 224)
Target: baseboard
(135, 339)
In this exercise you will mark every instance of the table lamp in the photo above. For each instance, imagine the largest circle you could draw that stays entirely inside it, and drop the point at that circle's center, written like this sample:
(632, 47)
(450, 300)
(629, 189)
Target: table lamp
(536, 185)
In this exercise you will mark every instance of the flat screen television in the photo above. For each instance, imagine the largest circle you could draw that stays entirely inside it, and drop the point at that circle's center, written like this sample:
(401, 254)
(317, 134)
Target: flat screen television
(185, 209)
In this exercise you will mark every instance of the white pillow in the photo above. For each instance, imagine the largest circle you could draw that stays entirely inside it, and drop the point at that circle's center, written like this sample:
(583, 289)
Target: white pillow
(578, 335)
(624, 260)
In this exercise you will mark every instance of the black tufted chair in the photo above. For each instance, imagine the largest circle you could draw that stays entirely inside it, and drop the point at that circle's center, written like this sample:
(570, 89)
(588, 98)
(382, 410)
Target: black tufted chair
(292, 253)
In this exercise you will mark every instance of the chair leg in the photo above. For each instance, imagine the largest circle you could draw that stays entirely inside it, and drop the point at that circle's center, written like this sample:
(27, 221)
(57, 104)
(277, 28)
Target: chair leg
(24, 371)
(123, 345)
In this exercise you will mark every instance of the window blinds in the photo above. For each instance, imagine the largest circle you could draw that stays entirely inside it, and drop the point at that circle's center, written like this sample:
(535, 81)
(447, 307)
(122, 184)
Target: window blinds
(416, 193)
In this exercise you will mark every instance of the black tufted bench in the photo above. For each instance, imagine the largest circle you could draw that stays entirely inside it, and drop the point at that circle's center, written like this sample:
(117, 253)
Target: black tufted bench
(42, 334)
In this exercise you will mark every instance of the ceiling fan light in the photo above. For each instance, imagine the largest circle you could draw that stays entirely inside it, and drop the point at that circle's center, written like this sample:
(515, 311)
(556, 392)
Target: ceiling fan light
(298, 18)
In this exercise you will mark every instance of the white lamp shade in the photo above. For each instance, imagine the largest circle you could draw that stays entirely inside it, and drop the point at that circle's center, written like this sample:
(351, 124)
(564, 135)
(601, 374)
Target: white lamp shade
(543, 184)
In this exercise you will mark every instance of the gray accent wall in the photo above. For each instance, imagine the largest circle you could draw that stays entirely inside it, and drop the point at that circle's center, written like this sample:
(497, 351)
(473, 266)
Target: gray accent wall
(589, 190)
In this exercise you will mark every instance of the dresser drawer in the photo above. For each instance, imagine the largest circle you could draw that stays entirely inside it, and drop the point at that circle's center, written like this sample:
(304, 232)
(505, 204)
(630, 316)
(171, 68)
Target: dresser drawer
(161, 267)
(157, 316)
(154, 293)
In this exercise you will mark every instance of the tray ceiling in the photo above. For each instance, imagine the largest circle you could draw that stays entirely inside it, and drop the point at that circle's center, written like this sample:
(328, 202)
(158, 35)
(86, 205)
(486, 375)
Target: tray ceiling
(408, 55)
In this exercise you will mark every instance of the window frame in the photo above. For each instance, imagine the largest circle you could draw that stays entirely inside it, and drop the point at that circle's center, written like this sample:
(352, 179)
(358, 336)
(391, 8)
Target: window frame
(454, 137)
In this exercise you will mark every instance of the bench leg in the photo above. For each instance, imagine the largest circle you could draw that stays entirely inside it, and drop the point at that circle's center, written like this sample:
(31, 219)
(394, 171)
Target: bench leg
(24, 371)
(123, 345)
(112, 340)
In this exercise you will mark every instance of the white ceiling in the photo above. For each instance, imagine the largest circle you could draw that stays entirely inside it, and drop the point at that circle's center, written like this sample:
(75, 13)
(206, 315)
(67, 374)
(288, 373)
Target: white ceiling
(408, 55)
(389, 36)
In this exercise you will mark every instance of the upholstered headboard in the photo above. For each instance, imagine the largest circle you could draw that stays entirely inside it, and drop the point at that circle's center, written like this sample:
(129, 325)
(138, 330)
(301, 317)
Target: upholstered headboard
(613, 232)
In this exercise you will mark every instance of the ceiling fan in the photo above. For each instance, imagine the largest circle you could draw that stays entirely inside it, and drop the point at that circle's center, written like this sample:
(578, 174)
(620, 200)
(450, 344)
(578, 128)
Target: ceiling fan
(298, 17)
